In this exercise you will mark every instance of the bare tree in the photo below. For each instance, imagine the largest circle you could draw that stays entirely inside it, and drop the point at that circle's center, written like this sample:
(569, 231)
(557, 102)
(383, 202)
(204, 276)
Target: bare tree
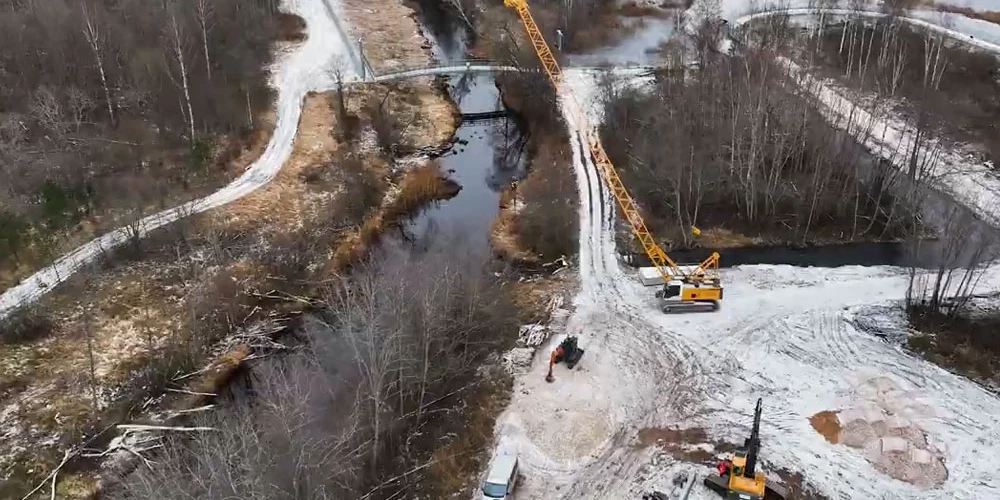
(177, 39)
(91, 364)
(466, 9)
(94, 40)
(335, 70)
(737, 139)
(339, 417)
(78, 103)
(205, 15)
(965, 247)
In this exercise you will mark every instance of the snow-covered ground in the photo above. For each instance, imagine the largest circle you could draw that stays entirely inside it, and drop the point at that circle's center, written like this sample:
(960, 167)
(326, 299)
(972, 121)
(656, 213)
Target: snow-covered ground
(793, 336)
(973, 4)
(295, 73)
(785, 334)
(960, 26)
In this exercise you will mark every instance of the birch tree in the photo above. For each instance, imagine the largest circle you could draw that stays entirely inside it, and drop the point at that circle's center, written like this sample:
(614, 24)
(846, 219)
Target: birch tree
(205, 15)
(93, 36)
(176, 40)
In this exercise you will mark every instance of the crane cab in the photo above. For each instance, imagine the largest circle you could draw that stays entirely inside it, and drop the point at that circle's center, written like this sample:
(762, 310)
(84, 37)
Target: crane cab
(741, 487)
(695, 297)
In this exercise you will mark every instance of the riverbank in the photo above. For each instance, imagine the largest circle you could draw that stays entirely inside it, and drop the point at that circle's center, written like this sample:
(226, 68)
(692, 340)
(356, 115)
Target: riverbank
(380, 191)
(201, 296)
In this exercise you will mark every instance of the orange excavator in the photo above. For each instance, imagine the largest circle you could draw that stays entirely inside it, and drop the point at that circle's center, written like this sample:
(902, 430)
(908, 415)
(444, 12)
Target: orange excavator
(686, 287)
(567, 351)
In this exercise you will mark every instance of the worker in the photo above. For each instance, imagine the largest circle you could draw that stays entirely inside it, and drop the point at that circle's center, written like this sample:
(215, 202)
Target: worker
(724, 467)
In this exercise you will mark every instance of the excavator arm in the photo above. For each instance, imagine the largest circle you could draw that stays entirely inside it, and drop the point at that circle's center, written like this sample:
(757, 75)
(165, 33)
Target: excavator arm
(706, 273)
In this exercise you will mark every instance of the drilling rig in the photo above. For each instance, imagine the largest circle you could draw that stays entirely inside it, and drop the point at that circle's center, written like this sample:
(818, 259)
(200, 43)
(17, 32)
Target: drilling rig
(685, 287)
(739, 478)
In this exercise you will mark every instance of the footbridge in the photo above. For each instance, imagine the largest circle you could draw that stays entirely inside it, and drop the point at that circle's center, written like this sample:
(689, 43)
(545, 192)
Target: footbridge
(485, 66)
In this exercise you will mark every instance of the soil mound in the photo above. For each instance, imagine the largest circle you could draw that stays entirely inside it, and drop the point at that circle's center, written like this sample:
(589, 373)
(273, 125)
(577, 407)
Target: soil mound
(881, 426)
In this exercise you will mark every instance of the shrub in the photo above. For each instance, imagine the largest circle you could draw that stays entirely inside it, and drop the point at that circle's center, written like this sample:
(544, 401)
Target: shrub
(25, 325)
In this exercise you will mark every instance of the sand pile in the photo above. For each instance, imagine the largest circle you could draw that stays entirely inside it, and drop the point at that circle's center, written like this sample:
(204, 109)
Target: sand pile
(881, 426)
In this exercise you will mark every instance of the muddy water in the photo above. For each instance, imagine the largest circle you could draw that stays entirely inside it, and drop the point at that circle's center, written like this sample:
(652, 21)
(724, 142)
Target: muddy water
(486, 155)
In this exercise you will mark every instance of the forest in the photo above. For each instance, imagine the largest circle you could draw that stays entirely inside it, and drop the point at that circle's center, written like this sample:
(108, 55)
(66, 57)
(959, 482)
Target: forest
(735, 144)
(111, 108)
(948, 91)
(370, 403)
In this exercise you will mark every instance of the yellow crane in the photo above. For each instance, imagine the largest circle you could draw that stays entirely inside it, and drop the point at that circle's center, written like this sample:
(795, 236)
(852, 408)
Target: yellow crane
(685, 287)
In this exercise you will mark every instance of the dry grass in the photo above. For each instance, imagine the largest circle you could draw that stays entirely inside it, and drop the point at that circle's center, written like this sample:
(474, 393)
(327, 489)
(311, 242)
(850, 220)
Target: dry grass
(692, 445)
(285, 200)
(426, 114)
(504, 240)
(459, 460)
(419, 186)
(503, 231)
(720, 237)
(392, 36)
(968, 346)
(651, 436)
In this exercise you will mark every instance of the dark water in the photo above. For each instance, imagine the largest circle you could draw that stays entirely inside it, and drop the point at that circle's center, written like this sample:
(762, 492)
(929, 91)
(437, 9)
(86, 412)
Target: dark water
(845, 254)
(963, 240)
(486, 155)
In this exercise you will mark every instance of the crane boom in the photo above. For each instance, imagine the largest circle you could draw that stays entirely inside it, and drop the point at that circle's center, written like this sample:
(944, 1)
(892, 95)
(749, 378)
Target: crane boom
(704, 273)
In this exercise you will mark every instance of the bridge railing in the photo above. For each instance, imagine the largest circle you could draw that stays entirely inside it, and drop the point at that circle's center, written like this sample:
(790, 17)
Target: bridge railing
(402, 68)
(403, 71)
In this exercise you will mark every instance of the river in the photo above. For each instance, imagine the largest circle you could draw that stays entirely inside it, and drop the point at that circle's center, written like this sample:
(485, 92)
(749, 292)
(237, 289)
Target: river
(486, 156)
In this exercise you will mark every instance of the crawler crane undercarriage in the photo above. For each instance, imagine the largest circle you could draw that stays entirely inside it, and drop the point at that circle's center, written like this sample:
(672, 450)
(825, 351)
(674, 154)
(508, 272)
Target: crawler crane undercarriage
(686, 287)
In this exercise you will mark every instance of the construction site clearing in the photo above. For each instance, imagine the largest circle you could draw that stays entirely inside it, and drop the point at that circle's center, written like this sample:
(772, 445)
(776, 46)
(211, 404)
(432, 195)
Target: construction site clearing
(791, 334)
(885, 436)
